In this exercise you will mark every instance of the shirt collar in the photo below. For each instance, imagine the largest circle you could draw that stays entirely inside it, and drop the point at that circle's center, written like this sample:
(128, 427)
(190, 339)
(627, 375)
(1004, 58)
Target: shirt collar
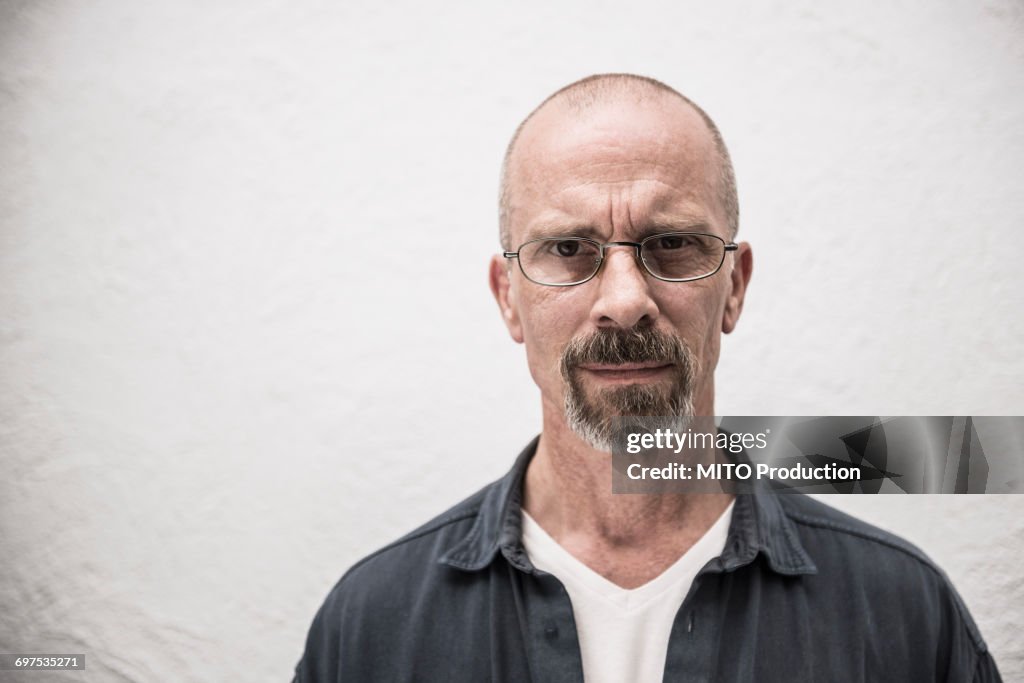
(759, 526)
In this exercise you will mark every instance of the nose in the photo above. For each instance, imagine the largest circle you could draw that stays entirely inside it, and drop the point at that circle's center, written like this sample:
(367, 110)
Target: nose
(624, 296)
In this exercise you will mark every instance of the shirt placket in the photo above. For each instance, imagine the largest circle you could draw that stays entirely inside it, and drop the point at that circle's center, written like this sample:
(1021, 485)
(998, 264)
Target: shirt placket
(695, 633)
(549, 626)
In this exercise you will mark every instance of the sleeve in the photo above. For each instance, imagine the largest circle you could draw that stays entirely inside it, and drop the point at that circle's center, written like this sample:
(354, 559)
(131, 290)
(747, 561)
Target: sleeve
(321, 660)
(985, 670)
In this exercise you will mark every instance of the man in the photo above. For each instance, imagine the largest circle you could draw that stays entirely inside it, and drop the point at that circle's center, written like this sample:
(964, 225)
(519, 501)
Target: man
(619, 274)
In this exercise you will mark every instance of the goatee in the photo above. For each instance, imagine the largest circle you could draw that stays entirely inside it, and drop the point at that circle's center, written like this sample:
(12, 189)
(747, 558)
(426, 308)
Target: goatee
(595, 417)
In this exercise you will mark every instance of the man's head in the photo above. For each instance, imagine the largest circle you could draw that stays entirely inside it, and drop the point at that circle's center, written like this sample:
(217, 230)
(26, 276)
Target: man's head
(619, 158)
(602, 89)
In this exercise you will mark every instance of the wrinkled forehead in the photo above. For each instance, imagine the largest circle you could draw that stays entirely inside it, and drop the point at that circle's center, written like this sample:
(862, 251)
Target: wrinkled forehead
(656, 154)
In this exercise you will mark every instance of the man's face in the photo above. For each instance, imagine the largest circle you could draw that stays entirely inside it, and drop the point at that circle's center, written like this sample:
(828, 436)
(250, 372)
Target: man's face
(619, 172)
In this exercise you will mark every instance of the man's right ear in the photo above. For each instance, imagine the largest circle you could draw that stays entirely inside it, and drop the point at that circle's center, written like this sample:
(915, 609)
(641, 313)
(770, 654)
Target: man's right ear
(501, 287)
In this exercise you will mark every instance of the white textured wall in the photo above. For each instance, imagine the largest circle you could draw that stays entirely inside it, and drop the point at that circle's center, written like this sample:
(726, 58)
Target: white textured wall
(212, 401)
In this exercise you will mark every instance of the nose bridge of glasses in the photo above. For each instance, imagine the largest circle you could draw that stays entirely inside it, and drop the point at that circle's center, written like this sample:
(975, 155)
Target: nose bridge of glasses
(635, 246)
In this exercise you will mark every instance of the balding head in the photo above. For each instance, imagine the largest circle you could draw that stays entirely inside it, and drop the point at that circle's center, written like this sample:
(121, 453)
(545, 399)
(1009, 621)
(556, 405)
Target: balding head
(583, 97)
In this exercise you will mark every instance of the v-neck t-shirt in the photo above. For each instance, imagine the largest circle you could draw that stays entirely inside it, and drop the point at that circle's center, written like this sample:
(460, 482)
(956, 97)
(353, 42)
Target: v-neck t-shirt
(623, 633)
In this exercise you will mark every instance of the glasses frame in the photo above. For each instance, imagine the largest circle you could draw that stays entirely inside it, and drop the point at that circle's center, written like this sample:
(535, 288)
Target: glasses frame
(637, 246)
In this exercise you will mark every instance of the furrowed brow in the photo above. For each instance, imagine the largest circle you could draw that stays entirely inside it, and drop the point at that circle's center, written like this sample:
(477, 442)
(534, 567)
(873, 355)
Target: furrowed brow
(680, 224)
(565, 230)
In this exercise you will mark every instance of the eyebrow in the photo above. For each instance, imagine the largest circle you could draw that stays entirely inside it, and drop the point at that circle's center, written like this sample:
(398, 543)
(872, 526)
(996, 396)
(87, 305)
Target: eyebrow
(660, 224)
(566, 230)
(678, 224)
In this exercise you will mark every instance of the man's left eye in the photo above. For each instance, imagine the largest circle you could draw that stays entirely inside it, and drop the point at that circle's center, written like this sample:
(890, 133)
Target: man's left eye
(671, 242)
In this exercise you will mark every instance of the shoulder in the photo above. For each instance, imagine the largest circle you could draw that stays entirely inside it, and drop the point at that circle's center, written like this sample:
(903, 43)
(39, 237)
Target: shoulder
(884, 568)
(399, 565)
(426, 543)
(380, 598)
(404, 571)
(814, 517)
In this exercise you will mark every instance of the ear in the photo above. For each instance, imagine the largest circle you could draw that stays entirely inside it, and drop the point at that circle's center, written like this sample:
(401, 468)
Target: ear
(739, 278)
(504, 294)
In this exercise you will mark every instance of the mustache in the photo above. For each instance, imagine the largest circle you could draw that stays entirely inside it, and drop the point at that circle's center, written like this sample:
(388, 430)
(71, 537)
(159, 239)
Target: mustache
(616, 346)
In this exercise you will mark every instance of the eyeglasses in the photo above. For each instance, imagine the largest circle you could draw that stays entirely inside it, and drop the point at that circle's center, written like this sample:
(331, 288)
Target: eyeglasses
(669, 256)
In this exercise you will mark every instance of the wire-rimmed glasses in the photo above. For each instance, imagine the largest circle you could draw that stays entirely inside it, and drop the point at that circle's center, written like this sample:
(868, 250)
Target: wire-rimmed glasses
(669, 256)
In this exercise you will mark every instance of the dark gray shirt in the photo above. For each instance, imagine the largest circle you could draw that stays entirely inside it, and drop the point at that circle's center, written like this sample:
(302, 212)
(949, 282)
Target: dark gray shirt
(802, 592)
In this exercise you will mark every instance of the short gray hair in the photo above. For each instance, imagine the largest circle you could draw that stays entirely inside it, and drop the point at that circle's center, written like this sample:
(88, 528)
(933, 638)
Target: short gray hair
(601, 88)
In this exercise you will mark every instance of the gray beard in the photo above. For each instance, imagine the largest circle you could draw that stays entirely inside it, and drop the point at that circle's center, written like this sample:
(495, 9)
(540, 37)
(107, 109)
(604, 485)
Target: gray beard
(598, 419)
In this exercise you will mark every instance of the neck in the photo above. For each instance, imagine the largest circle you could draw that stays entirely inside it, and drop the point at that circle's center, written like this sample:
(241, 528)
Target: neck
(629, 538)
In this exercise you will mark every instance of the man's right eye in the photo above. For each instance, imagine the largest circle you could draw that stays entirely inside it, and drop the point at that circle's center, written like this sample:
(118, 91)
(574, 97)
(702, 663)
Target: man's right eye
(567, 248)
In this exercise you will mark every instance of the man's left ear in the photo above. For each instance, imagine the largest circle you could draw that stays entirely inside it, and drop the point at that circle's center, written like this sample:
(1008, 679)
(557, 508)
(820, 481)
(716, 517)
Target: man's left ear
(739, 278)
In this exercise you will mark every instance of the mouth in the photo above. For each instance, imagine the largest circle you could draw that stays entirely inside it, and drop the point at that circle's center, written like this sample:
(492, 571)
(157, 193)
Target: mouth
(625, 373)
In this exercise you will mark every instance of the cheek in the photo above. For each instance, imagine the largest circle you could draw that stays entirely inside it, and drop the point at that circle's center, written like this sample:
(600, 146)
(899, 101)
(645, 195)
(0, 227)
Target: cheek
(696, 314)
(709, 358)
(550, 317)
(714, 310)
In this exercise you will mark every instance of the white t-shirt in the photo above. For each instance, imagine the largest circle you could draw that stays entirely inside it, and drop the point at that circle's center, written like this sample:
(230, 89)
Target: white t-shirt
(623, 633)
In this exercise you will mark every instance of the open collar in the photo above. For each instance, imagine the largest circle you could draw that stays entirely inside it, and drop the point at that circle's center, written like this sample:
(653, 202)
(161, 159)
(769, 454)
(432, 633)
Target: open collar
(759, 526)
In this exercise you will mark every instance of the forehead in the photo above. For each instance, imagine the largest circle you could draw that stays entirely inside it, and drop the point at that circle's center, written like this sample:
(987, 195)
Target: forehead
(632, 164)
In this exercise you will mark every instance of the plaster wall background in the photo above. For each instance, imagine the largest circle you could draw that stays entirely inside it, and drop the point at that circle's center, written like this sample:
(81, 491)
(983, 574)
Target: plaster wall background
(213, 400)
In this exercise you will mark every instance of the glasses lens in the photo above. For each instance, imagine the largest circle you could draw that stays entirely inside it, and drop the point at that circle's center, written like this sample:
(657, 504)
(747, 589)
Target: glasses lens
(559, 261)
(683, 256)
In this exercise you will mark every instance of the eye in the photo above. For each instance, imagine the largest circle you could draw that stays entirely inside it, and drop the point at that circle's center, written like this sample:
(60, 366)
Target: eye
(567, 248)
(672, 242)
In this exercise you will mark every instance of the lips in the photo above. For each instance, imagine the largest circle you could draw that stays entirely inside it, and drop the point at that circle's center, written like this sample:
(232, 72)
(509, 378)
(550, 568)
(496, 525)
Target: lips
(613, 357)
(624, 367)
(627, 371)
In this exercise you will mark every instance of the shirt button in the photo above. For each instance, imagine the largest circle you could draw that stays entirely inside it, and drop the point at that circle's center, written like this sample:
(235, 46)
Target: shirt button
(551, 631)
